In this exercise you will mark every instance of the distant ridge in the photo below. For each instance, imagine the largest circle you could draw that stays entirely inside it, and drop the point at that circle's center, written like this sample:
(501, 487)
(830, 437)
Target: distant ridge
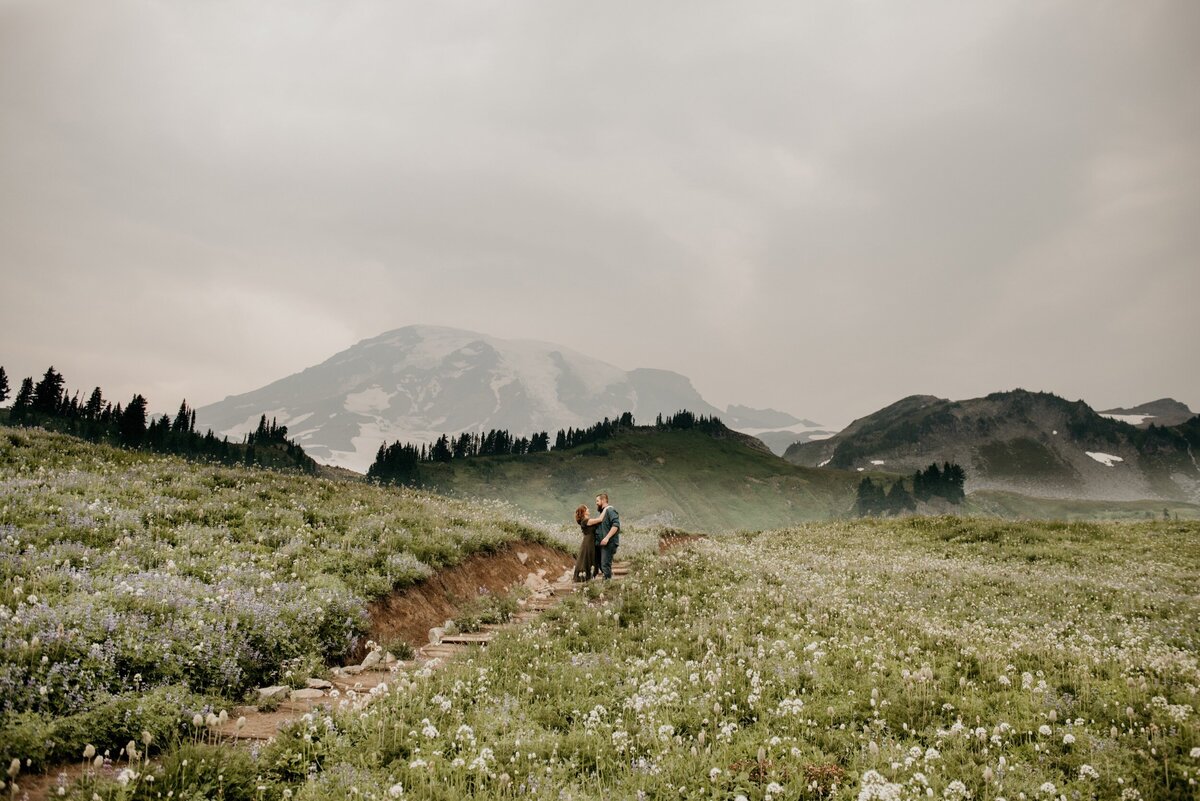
(1162, 412)
(1034, 443)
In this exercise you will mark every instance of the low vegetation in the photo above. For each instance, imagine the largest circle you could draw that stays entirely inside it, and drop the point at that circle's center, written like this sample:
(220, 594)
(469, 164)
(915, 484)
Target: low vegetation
(126, 575)
(945, 658)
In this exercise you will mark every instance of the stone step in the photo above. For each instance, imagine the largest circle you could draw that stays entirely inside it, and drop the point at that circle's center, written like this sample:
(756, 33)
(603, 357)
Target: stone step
(467, 638)
(441, 651)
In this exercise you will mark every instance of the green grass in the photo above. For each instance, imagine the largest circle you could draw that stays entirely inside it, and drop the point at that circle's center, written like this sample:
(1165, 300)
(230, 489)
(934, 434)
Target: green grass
(124, 574)
(929, 657)
(996, 503)
(682, 478)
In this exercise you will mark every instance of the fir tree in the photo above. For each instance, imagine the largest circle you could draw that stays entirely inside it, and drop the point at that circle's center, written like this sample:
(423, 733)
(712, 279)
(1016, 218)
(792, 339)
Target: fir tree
(899, 500)
(132, 422)
(3, 385)
(47, 395)
(441, 450)
(183, 419)
(23, 401)
(94, 406)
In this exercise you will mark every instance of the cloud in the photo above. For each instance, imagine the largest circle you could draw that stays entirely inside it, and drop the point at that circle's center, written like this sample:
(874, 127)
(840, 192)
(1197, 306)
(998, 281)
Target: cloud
(816, 206)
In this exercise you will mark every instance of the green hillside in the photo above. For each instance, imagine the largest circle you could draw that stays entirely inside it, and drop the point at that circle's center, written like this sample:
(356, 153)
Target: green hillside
(684, 478)
(996, 503)
(132, 582)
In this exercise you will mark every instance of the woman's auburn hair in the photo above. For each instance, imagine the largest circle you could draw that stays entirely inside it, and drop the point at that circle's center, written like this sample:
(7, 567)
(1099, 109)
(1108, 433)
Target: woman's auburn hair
(581, 514)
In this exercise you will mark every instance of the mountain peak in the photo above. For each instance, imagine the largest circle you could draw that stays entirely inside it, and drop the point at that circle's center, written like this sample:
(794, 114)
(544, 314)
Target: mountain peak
(1162, 412)
(1033, 443)
(417, 382)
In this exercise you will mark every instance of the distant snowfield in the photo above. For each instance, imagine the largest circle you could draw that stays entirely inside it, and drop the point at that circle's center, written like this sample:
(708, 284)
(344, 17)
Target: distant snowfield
(1132, 419)
(827, 461)
(369, 401)
(877, 461)
(1106, 459)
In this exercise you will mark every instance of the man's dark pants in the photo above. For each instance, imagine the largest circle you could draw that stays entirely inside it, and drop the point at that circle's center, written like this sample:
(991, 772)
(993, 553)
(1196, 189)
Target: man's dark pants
(606, 558)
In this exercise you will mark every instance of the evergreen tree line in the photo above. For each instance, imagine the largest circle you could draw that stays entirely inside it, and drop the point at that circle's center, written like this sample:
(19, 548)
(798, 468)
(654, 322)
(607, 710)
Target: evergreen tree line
(606, 429)
(598, 432)
(49, 404)
(400, 462)
(686, 421)
(932, 482)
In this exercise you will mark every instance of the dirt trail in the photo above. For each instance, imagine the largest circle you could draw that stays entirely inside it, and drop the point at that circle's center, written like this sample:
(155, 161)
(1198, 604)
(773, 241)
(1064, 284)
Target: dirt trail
(407, 615)
(410, 614)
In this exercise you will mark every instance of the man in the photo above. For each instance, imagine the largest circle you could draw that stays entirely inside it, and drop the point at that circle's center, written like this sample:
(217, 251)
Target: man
(608, 533)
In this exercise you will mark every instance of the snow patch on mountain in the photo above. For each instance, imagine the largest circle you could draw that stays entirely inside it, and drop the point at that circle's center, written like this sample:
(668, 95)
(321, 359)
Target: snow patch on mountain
(368, 401)
(1106, 459)
(1132, 419)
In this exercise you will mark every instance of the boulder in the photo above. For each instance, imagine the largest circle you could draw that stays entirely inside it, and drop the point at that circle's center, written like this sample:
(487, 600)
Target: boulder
(535, 583)
(306, 694)
(372, 659)
(524, 557)
(277, 691)
(435, 635)
(319, 684)
(352, 670)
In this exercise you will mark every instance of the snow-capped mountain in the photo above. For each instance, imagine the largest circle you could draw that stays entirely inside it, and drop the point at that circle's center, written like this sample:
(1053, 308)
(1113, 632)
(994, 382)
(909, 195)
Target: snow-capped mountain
(416, 383)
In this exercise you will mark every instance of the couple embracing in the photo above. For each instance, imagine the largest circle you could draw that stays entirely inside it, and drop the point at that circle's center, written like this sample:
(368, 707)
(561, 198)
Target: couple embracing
(601, 537)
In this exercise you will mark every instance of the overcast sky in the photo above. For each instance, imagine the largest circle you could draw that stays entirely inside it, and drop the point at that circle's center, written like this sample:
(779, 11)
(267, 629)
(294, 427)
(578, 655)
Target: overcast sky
(818, 207)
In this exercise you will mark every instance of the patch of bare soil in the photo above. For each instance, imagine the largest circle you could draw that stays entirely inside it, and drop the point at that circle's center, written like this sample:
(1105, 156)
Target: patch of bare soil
(410, 613)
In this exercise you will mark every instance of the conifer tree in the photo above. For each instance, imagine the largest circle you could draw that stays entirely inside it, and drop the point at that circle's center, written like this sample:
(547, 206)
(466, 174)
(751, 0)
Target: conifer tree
(132, 425)
(47, 395)
(3, 385)
(94, 406)
(441, 450)
(23, 401)
(182, 422)
(899, 500)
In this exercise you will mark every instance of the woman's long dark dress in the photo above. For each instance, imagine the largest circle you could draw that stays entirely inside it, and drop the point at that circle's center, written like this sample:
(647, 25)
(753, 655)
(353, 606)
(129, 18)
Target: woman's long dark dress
(585, 562)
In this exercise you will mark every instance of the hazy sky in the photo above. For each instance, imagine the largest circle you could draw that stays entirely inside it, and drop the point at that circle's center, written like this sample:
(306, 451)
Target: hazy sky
(820, 207)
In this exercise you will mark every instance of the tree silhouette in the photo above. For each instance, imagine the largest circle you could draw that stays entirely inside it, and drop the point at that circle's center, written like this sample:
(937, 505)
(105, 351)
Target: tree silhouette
(48, 394)
(23, 401)
(94, 407)
(132, 425)
(3, 385)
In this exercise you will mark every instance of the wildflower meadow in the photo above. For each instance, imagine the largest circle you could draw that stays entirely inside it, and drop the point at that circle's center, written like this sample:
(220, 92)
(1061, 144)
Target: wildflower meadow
(131, 582)
(943, 658)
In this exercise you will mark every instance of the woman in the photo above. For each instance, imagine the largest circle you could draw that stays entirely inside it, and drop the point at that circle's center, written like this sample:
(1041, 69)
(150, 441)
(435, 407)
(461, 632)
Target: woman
(586, 565)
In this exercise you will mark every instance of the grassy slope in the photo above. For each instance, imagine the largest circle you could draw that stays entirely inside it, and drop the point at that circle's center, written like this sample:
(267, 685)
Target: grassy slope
(701, 483)
(125, 574)
(707, 484)
(976, 658)
(1013, 505)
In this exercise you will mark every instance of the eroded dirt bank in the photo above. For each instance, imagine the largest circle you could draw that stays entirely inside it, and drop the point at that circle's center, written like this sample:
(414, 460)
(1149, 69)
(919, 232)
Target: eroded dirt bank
(410, 613)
